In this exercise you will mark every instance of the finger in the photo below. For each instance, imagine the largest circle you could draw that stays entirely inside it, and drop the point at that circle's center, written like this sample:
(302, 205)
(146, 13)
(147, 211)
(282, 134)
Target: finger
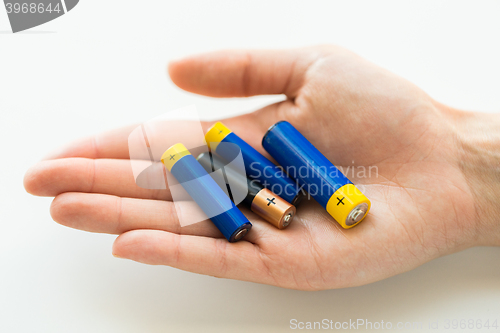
(241, 73)
(111, 144)
(110, 214)
(115, 215)
(114, 177)
(115, 144)
(203, 255)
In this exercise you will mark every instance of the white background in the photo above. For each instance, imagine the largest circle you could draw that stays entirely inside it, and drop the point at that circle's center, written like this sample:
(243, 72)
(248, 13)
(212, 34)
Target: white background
(103, 65)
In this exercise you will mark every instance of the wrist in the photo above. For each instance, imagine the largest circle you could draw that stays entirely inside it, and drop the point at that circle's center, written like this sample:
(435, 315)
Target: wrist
(478, 138)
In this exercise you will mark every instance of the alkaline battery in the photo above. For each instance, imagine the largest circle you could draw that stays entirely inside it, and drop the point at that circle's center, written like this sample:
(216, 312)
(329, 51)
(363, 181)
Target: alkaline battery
(324, 182)
(256, 165)
(260, 200)
(206, 193)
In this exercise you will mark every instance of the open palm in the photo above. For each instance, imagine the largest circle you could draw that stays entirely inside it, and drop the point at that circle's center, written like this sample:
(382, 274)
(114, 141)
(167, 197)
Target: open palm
(357, 114)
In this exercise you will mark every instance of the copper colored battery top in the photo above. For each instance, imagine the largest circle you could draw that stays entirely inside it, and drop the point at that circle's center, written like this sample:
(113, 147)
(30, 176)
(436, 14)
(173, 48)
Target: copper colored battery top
(273, 209)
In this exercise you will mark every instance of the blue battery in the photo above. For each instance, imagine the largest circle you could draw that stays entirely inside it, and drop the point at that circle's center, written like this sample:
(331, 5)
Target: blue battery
(227, 145)
(206, 193)
(316, 174)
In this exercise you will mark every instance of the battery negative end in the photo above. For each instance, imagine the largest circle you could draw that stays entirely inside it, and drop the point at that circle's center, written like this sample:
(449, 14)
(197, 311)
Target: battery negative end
(241, 232)
(270, 128)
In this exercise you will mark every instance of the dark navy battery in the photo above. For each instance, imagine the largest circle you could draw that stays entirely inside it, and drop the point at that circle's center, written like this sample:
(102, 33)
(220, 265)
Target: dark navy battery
(316, 174)
(206, 193)
(260, 200)
(234, 178)
(223, 142)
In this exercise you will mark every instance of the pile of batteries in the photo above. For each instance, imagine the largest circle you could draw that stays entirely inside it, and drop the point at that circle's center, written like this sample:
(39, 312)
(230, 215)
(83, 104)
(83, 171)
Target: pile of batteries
(303, 170)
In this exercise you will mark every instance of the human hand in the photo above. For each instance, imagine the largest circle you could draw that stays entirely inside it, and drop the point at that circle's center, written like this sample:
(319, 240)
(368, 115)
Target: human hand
(432, 192)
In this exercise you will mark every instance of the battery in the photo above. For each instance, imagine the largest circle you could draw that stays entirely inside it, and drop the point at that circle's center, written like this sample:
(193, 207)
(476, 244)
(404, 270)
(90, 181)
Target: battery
(260, 200)
(314, 172)
(206, 193)
(257, 166)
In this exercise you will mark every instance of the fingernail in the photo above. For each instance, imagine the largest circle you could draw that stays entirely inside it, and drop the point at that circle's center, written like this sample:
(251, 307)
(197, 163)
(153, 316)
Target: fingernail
(117, 256)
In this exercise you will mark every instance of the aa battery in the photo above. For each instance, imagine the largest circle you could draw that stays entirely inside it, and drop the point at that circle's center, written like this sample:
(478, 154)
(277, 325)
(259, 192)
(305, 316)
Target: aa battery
(316, 174)
(260, 200)
(206, 193)
(256, 165)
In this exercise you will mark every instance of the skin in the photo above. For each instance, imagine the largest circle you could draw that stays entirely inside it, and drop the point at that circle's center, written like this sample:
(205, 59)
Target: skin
(434, 192)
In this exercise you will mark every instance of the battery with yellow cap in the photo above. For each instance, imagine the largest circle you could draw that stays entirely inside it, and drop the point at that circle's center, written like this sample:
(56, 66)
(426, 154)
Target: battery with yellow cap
(314, 172)
(206, 193)
(260, 200)
(223, 142)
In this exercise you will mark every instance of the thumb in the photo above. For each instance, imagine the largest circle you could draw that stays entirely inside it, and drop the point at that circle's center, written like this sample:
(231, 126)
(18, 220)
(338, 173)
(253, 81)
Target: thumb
(244, 73)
